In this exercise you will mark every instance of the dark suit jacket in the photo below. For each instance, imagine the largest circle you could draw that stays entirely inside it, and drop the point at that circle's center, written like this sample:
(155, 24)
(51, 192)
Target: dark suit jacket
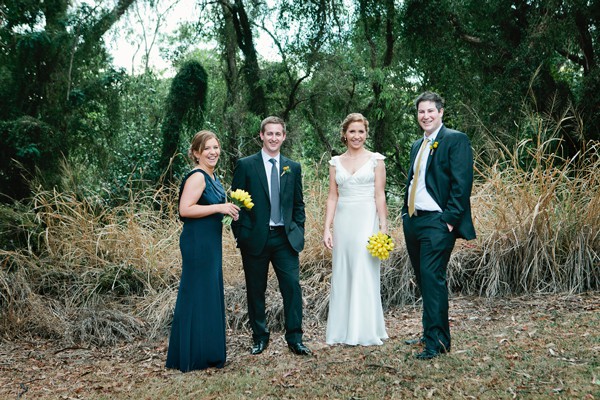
(252, 228)
(449, 179)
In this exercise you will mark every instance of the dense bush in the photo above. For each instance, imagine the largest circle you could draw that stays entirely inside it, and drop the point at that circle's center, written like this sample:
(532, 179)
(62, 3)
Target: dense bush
(96, 273)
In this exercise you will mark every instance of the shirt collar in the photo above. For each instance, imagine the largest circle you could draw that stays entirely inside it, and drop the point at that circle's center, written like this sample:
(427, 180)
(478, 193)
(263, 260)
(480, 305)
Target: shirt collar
(267, 157)
(433, 136)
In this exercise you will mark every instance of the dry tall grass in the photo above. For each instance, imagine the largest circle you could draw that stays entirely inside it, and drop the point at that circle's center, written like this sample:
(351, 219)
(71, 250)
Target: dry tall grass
(99, 274)
(538, 223)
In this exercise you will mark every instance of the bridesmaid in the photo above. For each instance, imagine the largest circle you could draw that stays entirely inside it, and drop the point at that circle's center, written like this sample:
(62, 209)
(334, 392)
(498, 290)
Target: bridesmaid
(198, 331)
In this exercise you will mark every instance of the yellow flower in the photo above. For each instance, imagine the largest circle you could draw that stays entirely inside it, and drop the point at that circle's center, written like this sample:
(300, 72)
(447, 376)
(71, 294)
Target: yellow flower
(433, 146)
(286, 169)
(380, 245)
(240, 198)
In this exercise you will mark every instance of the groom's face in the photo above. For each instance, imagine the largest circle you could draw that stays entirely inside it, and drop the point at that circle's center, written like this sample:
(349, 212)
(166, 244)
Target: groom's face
(272, 137)
(429, 117)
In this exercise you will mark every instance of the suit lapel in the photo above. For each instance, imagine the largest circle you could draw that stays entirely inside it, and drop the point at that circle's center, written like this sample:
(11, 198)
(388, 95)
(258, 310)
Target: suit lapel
(261, 173)
(438, 139)
(283, 178)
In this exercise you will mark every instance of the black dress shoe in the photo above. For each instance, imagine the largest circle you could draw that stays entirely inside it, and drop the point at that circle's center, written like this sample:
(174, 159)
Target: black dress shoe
(411, 342)
(299, 349)
(259, 347)
(428, 354)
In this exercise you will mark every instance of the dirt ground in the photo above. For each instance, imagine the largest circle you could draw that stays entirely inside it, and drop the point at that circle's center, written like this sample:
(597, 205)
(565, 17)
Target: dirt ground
(42, 369)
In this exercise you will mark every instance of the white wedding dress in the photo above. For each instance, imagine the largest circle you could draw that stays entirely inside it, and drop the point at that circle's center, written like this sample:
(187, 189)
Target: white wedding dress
(355, 312)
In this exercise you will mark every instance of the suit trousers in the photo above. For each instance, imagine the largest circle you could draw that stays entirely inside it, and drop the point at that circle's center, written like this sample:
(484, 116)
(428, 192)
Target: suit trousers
(429, 244)
(286, 265)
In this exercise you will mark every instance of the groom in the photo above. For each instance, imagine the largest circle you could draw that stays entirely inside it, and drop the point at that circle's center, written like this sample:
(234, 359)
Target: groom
(436, 211)
(272, 232)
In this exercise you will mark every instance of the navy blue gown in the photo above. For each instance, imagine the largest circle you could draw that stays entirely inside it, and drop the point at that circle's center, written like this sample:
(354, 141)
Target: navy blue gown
(198, 331)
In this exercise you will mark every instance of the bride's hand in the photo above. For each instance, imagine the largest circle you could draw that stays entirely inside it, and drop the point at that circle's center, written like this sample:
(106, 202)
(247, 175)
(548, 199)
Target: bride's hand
(383, 228)
(328, 239)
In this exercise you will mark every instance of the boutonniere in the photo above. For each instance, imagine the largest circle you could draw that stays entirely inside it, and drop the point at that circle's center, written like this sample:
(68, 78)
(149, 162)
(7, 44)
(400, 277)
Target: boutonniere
(286, 169)
(433, 146)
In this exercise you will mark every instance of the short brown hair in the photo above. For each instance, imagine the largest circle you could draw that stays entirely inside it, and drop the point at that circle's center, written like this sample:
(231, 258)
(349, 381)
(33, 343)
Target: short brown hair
(198, 142)
(272, 120)
(350, 118)
(430, 96)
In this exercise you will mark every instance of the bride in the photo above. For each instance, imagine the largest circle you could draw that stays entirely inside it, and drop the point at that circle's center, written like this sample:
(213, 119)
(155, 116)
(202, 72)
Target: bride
(357, 209)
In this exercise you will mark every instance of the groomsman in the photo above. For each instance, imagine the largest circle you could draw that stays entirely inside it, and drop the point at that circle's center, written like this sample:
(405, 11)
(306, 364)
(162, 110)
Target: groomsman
(272, 232)
(436, 212)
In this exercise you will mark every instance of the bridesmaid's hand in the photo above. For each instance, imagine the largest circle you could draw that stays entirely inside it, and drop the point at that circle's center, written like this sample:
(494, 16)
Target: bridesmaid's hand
(232, 210)
(328, 239)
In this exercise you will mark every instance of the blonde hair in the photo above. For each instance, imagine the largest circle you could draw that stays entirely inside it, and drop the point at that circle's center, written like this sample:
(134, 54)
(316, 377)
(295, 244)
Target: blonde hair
(350, 118)
(198, 142)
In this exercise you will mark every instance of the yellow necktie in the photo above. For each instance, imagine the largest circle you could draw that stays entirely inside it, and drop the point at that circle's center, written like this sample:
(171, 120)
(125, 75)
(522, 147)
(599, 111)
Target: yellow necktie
(413, 186)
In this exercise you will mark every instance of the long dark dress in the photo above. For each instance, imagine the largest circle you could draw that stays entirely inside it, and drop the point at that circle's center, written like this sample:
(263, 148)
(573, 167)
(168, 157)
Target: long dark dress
(198, 332)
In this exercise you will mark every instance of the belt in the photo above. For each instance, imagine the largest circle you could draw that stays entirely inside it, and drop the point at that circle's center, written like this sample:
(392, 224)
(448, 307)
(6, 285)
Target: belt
(420, 213)
(276, 227)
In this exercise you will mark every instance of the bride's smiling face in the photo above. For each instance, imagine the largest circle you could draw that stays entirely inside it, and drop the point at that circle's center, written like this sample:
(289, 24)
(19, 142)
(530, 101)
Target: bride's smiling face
(356, 134)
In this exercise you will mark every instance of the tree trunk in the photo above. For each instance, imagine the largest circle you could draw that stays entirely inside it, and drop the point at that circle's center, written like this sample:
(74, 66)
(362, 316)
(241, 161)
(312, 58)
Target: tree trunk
(232, 118)
(256, 99)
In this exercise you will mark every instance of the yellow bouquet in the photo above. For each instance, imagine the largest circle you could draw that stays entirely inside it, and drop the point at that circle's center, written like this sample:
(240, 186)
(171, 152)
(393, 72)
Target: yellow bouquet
(240, 198)
(380, 245)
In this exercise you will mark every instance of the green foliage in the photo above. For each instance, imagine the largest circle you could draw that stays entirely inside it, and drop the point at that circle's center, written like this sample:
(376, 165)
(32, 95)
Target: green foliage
(26, 144)
(494, 56)
(185, 107)
(52, 78)
(132, 159)
(17, 225)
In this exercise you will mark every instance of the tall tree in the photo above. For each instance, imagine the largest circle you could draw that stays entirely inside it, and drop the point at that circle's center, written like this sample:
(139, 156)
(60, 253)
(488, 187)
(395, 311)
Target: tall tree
(50, 53)
(235, 11)
(232, 120)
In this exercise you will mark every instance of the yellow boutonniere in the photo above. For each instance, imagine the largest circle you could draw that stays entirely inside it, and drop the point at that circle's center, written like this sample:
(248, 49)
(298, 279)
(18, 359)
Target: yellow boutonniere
(286, 169)
(433, 146)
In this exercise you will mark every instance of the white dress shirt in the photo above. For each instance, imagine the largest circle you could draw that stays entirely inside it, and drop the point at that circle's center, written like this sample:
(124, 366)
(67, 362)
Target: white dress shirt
(423, 200)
